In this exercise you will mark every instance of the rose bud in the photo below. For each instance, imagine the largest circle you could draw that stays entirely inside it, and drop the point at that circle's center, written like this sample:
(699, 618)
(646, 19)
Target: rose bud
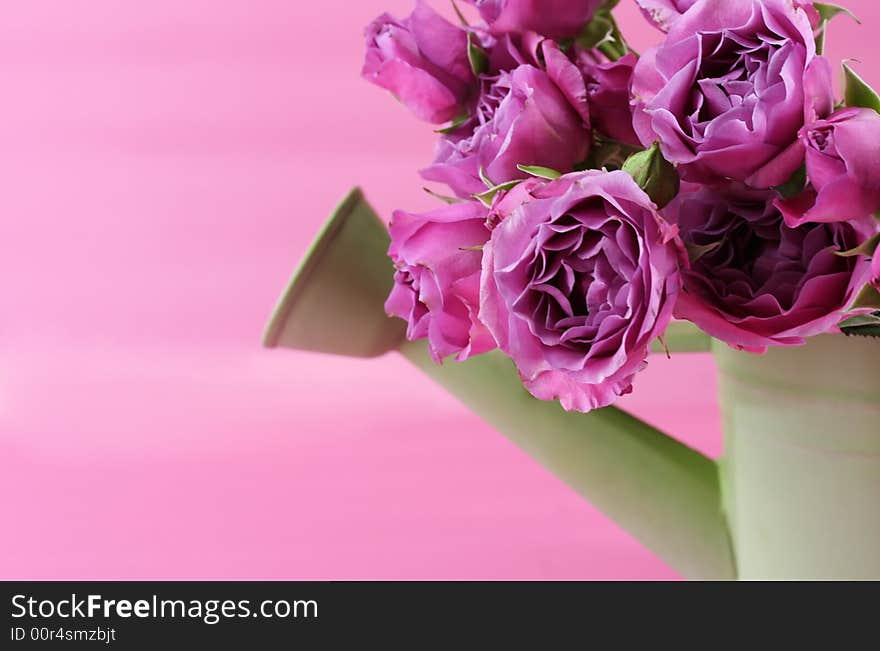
(755, 282)
(843, 167)
(437, 284)
(423, 61)
(730, 88)
(578, 279)
(654, 174)
(527, 116)
(608, 86)
(556, 19)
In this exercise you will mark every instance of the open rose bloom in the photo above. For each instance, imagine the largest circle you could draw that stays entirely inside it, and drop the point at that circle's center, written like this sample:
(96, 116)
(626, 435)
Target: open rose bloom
(559, 142)
(578, 279)
(730, 88)
(757, 282)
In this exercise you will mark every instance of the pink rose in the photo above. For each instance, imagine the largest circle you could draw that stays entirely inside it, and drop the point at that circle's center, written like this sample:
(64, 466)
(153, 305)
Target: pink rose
(755, 282)
(730, 88)
(556, 19)
(664, 13)
(578, 278)
(437, 283)
(608, 85)
(875, 269)
(423, 61)
(843, 167)
(527, 116)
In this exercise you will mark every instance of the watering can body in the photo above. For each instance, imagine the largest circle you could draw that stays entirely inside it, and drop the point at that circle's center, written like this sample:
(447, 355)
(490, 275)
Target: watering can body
(794, 497)
(801, 467)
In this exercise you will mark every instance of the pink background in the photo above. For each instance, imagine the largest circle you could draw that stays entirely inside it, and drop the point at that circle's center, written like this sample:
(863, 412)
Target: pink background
(164, 165)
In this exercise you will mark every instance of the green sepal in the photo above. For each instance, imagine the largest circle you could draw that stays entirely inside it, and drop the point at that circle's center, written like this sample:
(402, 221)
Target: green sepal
(489, 183)
(452, 126)
(654, 174)
(868, 298)
(829, 11)
(821, 37)
(865, 325)
(487, 197)
(795, 185)
(607, 154)
(444, 198)
(866, 248)
(540, 172)
(477, 56)
(603, 34)
(858, 92)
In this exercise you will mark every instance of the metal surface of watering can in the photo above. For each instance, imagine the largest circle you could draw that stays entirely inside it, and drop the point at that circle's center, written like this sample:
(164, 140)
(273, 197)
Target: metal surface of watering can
(795, 496)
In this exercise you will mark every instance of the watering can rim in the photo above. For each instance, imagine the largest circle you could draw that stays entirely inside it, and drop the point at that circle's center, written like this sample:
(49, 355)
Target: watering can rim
(309, 263)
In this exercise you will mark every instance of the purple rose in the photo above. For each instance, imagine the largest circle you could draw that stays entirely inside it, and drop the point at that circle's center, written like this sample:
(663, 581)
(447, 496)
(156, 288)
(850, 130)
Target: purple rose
(423, 61)
(730, 88)
(437, 283)
(608, 86)
(812, 13)
(556, 19)
(664, 13)
(843, 167)
(527, 116)
(578, 279)
(755, 282)
(508, 51)
(875, 269)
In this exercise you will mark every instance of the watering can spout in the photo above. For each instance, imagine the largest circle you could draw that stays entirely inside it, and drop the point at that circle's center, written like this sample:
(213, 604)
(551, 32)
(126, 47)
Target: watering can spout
(661, 491)
(335, 301)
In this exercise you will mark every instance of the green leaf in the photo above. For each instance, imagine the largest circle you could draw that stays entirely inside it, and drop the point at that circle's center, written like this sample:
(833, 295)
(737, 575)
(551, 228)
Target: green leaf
(654, 174)
(858, 92)
(443, 197)
(487, 197)
(869, 297)
(477, 56)
(795, 185)
(540, 172)
(829, 11)
(867, 248)
(452, 126)
(866, 325)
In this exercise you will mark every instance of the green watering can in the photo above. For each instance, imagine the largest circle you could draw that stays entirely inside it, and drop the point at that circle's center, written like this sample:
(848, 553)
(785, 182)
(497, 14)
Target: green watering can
(796, 495)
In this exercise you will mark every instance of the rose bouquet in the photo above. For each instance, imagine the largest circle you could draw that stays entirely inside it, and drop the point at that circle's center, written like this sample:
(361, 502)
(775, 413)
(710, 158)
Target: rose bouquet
(595, 194)
(708, 194)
